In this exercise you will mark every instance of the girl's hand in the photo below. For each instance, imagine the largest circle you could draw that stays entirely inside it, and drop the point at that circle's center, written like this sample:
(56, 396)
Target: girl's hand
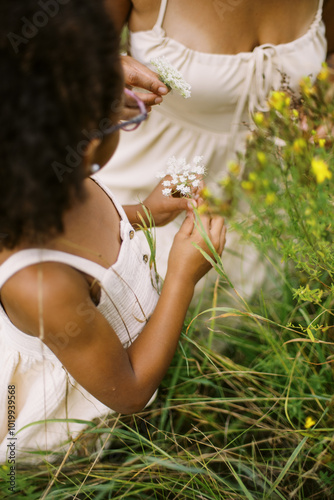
(164, 209)
(138, 75)
(186, 263)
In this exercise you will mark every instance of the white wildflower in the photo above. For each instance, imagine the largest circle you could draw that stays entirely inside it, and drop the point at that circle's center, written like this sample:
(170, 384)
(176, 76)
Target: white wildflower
(185, 177)
(171, 77)
(199, 170)
(198, 159)
(184, 189)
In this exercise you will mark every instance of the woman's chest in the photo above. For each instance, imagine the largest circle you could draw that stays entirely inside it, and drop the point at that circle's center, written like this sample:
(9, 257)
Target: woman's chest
(227, 26)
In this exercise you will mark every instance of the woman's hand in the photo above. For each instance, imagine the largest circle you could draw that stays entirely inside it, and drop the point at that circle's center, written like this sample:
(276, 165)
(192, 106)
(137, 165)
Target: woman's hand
(186, 262)
(138, 75)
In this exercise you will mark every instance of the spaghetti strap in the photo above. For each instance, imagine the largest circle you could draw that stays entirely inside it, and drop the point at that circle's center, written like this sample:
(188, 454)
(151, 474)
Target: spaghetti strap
(318, 16)
(31, 256)
(162, 12)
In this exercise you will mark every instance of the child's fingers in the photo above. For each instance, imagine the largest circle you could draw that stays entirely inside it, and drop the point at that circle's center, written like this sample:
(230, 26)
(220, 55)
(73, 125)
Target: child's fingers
(187, 225)
(206, 222)
(216, 229)
(216, 224)
(222, 240)
(191, 204)
(180, 204)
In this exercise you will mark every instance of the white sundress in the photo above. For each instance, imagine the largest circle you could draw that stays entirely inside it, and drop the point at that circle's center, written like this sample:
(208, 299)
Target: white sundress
(43, 388)
(225, 90)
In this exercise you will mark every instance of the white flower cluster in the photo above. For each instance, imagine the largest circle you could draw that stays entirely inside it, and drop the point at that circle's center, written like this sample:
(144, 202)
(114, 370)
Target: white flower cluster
(184, 176)
(171, 76)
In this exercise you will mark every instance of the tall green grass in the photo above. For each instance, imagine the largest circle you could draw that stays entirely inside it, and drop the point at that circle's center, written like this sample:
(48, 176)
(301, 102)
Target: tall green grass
(228, 422)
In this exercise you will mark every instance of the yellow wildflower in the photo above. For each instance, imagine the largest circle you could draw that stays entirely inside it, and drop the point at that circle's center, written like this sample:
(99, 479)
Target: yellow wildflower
(270, 198)
(309, 422)
(206, 193)
(322, 143)
(247, 185)
(320, 170)
(225, 182)
(295, 113)
(306, 86)
(234, 167)
(279, 100)
(252, 176)
(324, 73)
(261, 157)
(299, 145)
(203, 209)
(258, 118)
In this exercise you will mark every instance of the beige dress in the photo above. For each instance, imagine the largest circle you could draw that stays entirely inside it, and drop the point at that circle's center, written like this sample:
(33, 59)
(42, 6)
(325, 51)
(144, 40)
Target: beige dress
(225, 90)
(32, 373)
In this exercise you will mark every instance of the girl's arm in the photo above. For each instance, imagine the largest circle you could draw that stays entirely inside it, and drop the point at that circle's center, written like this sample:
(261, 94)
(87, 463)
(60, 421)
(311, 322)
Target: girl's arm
(57, 297)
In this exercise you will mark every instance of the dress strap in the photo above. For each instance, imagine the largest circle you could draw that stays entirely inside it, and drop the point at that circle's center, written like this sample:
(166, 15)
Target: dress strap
(31, 256)
(104, 188)
(162, 12)
(318, 16)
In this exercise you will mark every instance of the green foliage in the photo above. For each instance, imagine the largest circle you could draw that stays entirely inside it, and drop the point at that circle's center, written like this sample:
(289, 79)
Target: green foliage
(286, 188)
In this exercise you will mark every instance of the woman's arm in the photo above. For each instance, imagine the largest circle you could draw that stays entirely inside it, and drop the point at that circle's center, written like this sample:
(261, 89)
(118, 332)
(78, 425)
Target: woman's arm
(328, 17)
(119, 11)
(57, 297)
(135, 74)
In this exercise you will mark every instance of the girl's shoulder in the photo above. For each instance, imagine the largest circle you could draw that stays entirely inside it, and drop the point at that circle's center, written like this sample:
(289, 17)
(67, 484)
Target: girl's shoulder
(39, 292)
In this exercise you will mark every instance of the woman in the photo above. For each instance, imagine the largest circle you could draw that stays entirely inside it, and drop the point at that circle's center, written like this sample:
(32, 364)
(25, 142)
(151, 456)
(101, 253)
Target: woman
(232, 53)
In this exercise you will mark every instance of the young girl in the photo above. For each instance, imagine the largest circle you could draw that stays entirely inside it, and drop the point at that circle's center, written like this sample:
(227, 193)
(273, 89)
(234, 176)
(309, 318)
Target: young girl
(83, 330)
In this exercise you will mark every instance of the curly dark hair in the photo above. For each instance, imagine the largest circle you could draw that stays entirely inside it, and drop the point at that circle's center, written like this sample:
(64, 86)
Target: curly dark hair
(60, 76)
